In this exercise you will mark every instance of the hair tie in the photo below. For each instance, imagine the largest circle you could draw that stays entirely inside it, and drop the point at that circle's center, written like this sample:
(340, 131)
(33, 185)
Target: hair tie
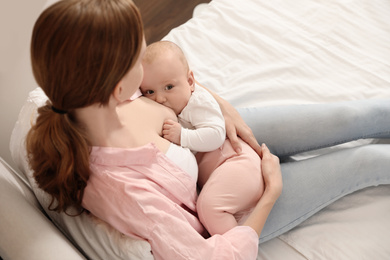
(58, 111)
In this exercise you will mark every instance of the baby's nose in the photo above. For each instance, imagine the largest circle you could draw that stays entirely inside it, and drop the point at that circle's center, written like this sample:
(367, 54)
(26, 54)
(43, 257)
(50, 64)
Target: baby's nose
(160, 99)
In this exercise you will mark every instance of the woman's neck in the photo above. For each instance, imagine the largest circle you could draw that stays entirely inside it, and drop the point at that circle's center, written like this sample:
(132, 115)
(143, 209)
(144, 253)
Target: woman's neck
(99, 122)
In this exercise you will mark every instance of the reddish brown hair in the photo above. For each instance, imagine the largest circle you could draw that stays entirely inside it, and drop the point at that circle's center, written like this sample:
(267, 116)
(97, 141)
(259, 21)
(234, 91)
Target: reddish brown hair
(80, 50)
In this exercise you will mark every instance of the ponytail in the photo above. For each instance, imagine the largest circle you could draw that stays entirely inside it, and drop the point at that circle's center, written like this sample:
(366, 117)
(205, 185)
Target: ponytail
(58, 154)
(80, 50)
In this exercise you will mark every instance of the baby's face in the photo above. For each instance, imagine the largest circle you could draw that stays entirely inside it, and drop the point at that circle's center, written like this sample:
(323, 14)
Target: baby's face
(167, 82)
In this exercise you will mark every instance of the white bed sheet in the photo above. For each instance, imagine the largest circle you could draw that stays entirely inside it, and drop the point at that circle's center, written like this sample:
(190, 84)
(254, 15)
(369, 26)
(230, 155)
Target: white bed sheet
(261, 53)
(282, 52)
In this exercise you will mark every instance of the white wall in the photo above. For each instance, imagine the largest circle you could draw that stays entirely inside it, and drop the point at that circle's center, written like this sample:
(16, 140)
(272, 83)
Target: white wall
(17, 18)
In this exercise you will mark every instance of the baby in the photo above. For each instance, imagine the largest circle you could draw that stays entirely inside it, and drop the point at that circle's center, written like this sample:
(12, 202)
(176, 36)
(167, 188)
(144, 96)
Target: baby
(231, 183)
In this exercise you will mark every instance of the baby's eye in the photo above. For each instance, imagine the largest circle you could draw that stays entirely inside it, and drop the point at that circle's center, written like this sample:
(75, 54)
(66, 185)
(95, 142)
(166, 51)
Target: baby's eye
(148, 92)
(168, 87)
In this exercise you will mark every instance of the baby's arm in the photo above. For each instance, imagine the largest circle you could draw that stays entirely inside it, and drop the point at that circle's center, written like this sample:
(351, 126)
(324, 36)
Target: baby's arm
(203, 138)
(203, 123)
(201, 127)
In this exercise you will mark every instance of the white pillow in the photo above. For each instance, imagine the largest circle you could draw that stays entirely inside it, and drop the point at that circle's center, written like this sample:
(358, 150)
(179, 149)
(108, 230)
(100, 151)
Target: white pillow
(95, 238)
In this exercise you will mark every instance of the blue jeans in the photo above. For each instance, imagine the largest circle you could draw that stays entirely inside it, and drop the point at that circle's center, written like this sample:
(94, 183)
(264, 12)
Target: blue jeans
(312, 184)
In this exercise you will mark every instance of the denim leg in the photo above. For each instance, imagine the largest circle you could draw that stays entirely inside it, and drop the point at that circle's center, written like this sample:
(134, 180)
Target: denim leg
(312, 184)
(293, 129)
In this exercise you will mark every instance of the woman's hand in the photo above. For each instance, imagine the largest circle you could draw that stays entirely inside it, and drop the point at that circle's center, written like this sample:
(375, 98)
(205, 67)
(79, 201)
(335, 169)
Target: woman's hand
(235, 125)
(272, 175)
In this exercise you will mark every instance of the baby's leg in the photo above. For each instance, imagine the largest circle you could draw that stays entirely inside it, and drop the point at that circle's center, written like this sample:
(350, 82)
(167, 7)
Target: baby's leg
(234, 185)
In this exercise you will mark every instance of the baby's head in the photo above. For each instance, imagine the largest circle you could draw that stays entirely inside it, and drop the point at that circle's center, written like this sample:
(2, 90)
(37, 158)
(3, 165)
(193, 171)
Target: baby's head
(167, 77)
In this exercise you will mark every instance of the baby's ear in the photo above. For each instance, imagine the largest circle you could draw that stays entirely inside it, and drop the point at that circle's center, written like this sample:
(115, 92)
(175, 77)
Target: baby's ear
(191, 80)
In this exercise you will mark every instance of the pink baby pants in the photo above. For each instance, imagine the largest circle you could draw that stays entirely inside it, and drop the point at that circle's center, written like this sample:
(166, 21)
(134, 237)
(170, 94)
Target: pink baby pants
(231, 183)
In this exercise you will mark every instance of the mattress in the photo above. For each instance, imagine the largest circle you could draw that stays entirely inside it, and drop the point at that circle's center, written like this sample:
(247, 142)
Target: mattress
(275, 53)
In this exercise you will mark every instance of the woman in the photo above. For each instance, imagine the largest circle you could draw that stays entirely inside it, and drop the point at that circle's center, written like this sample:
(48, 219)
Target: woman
(93, 148)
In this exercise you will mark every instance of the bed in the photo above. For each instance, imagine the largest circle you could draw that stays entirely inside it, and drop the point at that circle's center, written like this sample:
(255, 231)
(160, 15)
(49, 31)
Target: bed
(275, 53)
(268, 53)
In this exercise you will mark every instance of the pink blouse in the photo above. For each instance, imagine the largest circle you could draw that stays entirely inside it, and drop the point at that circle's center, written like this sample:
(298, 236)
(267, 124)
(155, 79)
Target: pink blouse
(143, 194)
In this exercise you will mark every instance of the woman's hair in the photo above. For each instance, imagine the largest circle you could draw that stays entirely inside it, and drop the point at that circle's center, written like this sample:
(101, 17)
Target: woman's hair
(80, 50)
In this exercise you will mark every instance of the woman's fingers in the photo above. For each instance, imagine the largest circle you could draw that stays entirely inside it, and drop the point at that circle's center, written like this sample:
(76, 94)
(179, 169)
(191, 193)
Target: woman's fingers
(231, 134)
(235, 125)
(272, 174)
(247, 136)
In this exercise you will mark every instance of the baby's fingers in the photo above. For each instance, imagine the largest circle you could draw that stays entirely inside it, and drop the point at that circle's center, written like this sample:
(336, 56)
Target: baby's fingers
(169, 122)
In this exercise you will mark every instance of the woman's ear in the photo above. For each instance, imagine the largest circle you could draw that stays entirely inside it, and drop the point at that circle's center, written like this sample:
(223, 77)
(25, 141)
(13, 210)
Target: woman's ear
(118, 92)
(191, 80)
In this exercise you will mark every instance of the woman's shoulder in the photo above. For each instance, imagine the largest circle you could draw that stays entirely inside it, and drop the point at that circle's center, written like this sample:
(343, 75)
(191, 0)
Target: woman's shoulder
(150, 104)
(156, 111)
(144, 107)
(143, 121)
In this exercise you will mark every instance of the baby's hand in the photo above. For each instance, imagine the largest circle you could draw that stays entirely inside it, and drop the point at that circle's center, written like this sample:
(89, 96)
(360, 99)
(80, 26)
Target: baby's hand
(172, 131)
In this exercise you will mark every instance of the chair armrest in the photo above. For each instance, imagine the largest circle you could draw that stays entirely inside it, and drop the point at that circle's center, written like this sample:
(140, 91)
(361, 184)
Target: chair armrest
(26, 233)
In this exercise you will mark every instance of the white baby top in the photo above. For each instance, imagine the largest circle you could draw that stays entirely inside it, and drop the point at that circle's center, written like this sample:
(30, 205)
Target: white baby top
(203, 125)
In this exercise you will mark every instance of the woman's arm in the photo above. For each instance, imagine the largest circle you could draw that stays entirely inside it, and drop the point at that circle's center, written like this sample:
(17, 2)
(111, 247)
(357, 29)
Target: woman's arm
(272, 176)
(235, 125)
